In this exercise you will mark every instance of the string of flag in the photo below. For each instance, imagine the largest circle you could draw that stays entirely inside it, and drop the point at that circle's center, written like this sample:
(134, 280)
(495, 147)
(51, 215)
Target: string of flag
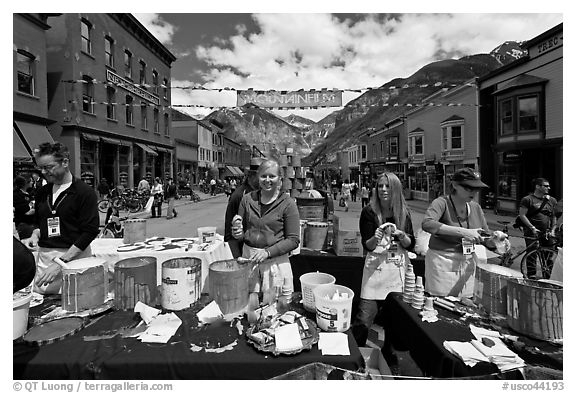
(220, 89)
(409, 105)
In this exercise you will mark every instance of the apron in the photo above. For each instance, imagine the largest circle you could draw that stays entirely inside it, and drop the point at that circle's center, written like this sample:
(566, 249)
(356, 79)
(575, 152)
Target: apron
(44, 260)
(381, 275)
(449, 273)
(273, 277)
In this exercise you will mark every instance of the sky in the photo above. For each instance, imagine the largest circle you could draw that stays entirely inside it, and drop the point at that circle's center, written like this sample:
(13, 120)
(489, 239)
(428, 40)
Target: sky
(292, 51)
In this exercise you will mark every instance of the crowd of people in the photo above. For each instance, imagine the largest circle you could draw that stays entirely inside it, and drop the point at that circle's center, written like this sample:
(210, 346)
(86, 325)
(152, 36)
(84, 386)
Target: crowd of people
(57, 213)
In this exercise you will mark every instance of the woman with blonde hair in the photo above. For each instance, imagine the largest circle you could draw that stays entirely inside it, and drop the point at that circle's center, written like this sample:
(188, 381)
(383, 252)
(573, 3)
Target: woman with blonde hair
(268, 222)
(386, 230)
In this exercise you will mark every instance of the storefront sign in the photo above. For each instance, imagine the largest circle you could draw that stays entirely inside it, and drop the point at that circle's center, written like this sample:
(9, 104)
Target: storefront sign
(550, 43)
(129, 86)
(512, 156)
(290, 99)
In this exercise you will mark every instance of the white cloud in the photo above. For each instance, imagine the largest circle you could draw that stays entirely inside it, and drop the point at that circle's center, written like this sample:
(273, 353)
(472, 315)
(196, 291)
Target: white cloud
(294, 51)
(159, 28)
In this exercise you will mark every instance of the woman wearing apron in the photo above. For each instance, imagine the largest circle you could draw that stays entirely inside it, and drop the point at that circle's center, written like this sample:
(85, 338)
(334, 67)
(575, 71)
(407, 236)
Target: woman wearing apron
(455, 223)
(386, 230)
(269, 224)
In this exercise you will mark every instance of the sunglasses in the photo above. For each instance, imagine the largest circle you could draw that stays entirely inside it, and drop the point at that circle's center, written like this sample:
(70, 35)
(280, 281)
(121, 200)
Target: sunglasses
(545, 185)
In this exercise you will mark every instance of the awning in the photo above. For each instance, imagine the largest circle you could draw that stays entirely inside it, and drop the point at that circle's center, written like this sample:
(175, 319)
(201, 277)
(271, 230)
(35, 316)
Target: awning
(228, 172)
(19, 152)
(90, 137)
(239, 171)
(163, 149)
(33, 134)
(112, 141)
(146, 148)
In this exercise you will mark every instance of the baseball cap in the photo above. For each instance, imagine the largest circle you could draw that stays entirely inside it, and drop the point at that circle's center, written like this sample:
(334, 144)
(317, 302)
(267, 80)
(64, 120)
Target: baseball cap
(468, 177)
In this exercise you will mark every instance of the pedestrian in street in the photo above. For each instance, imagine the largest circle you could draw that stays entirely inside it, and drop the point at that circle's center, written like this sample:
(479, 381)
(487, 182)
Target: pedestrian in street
(365, 195)
(455, 221)
(346, 189)
(381, 274)
(157, 192)
(213, 186)
(250, 184)
(269, 225)
(233, 185)
(171, 192)
(66, 218)
(334, 188)
(143, 186)
(537, 214)
(353, 190)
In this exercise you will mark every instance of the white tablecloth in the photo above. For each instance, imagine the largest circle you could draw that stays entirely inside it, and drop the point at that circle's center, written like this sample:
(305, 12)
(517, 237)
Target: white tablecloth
(108, 250)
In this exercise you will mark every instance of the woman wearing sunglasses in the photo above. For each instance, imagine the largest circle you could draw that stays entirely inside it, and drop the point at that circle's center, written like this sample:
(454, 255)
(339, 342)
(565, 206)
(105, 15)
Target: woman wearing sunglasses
(456, 222)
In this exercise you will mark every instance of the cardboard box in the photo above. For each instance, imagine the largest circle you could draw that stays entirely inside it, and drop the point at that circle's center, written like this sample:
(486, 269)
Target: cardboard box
(376, 366)
(347, 240)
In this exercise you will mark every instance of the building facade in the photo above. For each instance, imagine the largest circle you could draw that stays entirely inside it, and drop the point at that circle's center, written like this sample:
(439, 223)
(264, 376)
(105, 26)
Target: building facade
(185, 132)
(387, 149)
(109, 89)
(521, 119)
(441, 139)
(30, 88)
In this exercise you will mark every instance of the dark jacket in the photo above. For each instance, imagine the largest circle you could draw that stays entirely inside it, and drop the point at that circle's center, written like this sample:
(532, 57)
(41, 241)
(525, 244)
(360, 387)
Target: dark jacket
(78, 212)
(21, 202)
(369, 223)
(231, 211)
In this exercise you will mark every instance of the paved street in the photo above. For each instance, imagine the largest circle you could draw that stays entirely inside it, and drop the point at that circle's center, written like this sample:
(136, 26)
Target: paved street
(211, 209)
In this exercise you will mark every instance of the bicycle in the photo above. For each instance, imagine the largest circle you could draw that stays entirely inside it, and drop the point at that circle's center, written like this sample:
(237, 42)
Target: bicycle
(113, 226)
(543, 256)
(129, 200)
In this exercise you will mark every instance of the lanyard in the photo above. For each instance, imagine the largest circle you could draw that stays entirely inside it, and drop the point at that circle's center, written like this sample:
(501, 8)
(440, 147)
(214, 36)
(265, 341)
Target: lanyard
(458, 218)
(53, 208)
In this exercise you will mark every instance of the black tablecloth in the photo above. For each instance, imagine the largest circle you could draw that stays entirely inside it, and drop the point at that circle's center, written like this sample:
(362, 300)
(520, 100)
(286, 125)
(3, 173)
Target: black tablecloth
(128, 358)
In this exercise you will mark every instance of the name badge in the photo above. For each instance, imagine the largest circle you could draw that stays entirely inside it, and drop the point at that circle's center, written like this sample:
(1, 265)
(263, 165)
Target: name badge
(467, 247)
(53, 226)
(394, 255)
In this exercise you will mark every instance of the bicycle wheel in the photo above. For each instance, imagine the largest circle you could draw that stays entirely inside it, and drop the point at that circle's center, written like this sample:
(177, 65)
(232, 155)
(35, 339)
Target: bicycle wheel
(543, 260)
(103, 205)
(133, 205)
(108, 234)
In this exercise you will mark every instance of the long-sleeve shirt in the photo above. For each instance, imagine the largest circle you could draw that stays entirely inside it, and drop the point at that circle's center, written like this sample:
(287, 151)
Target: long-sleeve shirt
(441, 212)
(369, 223)
(77, 210)
(274, 227)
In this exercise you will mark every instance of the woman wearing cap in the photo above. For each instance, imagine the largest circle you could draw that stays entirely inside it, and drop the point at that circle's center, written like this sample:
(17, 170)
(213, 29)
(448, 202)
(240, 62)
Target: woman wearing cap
(386, 230)
(455, 222)
(269, 224)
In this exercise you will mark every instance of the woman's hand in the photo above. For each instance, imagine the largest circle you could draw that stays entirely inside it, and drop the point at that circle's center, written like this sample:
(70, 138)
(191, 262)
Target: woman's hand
(48, 275)
(237, 232)
(473, 235)
(379, 235)
(260, 255)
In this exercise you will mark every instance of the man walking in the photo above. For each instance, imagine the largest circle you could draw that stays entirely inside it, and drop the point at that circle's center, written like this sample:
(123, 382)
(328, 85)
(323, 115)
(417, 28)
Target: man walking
(170, 193)
(537, 214)
(213, 186)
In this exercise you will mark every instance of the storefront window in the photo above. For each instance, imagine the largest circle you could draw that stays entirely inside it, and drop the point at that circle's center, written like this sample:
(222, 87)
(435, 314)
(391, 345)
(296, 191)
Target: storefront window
(87, 161)
(136, 159)
(506, 124)
(123, 165)
(507, 181)
(419, 182)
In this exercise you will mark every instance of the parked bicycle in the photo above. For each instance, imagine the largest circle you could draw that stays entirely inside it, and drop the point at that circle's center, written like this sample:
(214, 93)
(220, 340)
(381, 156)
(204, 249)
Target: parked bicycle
(543, 256)
(113, 224)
